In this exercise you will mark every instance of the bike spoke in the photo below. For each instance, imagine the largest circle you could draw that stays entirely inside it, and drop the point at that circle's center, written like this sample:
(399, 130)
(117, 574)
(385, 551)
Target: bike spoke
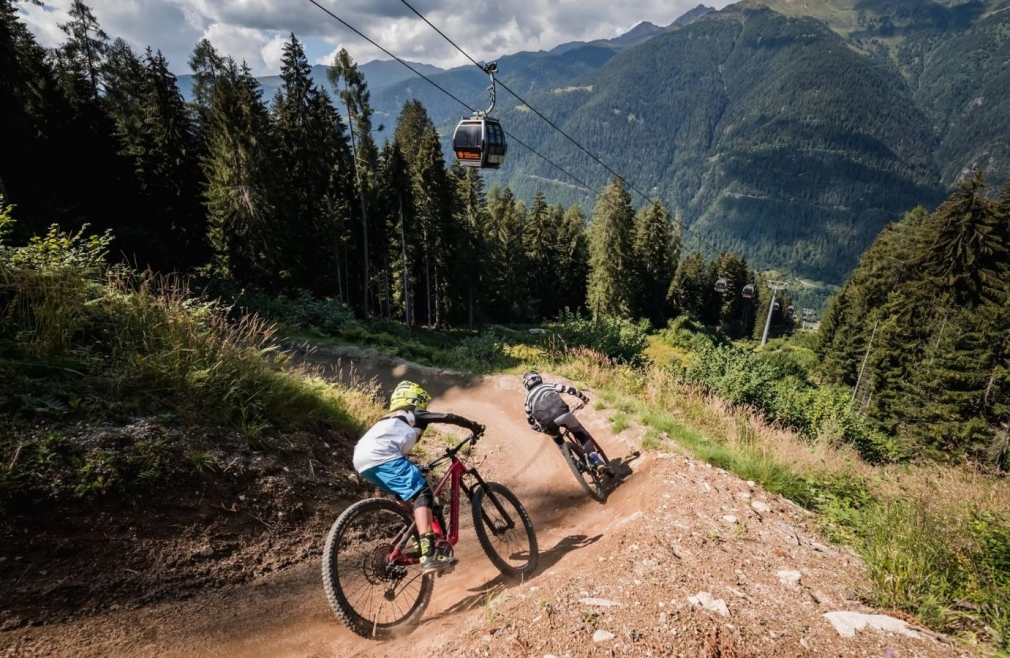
(513, 540)
(363, 568)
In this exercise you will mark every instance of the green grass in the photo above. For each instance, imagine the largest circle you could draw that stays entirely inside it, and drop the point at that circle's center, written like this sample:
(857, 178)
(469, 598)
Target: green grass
(619, 422)
(83, 343)
(936, 551)
(652, 440)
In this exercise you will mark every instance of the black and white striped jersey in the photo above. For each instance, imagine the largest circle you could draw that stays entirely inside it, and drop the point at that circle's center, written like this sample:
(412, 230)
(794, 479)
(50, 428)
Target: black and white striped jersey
(544, 401)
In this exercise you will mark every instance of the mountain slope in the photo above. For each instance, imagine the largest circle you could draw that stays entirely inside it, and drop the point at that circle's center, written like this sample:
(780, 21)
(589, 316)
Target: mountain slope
(767, 133)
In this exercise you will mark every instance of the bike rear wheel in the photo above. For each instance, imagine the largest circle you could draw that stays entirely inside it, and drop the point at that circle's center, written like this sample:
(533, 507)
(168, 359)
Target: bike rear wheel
(504, 530)
(372, 596)
(587, 478)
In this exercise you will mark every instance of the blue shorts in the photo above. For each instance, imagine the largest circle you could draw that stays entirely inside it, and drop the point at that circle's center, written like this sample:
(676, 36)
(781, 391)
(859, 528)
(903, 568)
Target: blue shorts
(399, 477)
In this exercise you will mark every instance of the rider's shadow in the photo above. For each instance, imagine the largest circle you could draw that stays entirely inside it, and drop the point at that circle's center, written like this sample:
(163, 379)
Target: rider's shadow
(622, 468)
(484, 594)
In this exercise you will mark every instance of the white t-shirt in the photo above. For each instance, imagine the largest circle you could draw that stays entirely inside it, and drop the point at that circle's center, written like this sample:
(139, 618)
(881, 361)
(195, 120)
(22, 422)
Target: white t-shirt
(388, 439)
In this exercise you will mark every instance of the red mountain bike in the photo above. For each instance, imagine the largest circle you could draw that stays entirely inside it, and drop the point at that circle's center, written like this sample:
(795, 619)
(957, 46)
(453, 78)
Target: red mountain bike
(370, 570)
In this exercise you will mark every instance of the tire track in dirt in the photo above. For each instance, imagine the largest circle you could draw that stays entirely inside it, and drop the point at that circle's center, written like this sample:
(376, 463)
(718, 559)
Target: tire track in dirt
(287, 614)
(673, 504)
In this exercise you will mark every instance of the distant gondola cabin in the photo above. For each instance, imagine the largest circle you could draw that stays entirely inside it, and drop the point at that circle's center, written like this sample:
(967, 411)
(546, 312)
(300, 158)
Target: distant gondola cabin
(479, 142)
(748, 291)
(721, 285)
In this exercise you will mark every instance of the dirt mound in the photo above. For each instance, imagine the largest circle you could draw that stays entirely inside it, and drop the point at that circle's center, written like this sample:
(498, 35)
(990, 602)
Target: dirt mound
(683, 559)
(247, 508)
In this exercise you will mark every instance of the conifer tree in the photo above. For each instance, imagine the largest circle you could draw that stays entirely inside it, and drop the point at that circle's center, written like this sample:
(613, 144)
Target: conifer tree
(573, 260)
(158, 136)
(541, 255)
(612, 252)
(98, 183)
(431, 212)
(395, 195)
(471, 228)
(736, 314)
(238, 165)
(655, 262)
(692, 289)
(508, 221)
(350, 84)
(32, 109)
(82, 57)
(969, 245)
(887, 265)
(124, 86)
(416, 139)
(315, 159)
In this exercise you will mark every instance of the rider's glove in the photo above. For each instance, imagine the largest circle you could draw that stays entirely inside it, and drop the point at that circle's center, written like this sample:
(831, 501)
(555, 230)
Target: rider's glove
(477, 429)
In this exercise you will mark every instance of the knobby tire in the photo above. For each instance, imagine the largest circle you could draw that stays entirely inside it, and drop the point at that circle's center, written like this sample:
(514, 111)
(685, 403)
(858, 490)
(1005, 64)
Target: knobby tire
(594, 484)
(518, 540)
(358, 533)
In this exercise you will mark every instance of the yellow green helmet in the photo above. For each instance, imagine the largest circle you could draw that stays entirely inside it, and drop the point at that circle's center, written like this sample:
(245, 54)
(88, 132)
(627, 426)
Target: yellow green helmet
(408, 394)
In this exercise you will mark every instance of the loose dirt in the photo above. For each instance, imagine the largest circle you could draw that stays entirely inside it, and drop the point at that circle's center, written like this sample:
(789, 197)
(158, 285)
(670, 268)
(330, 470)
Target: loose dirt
(683, 559)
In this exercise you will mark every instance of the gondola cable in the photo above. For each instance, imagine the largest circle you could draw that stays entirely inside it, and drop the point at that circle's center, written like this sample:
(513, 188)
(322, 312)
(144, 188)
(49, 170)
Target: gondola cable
(597, 193)
(556, 127)
(450, 95)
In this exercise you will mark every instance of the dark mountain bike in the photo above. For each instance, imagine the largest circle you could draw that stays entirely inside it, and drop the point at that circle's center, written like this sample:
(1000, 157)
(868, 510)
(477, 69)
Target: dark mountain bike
(594, 478)
(370, 563)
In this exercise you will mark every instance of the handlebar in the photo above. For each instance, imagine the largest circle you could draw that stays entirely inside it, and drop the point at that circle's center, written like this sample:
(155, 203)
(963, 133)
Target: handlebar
(451, 452)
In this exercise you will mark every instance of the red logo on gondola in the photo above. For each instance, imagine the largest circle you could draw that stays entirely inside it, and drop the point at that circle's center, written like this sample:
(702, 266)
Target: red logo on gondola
(463, 155)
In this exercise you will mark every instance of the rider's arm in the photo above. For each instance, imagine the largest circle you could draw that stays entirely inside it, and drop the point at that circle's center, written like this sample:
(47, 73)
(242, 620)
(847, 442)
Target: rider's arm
(423, 418)
(571, 390)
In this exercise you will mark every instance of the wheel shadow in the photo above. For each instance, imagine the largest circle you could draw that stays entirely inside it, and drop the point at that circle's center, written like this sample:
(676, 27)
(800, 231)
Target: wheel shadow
(482, 595)
(622, 469)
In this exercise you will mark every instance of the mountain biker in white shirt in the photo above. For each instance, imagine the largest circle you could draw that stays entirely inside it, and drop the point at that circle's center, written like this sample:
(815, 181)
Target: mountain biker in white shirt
(380, 457)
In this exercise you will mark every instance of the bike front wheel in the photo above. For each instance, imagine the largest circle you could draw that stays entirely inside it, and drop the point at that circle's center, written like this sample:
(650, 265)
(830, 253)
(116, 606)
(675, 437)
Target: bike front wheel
(374, 596)
(504, 530)
(587, 478)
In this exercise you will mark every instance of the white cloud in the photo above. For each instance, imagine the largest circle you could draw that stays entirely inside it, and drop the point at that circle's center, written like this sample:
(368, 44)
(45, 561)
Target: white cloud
(272, 53)
(242, 43)
(246, 29)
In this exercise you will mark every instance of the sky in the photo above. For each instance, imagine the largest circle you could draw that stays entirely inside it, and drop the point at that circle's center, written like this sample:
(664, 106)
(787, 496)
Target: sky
(255, 30)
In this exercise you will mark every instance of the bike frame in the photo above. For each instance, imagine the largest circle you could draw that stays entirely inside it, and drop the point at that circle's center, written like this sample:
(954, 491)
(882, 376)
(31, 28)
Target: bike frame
(454, 479)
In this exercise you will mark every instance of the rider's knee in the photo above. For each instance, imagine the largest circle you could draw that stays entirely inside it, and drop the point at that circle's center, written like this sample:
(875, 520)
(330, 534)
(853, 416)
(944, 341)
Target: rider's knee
(424, 498)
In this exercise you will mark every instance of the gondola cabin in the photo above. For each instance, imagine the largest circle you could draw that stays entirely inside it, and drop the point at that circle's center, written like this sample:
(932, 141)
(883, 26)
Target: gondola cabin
(790, 310)
(775, 306)
(721, 285)
(479, 142)
(748, 291)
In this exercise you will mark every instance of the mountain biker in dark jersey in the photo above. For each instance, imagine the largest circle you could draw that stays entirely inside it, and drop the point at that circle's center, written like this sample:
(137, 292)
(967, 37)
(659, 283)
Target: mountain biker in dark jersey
(379, 457)
(547, 412)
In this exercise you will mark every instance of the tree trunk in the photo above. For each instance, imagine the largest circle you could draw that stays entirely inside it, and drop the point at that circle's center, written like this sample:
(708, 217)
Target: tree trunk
(427, 273)
(406, 277)
(364, 215)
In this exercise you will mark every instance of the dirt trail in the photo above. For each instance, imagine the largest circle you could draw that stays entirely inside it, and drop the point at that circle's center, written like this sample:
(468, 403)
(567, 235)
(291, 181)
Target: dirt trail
(664, 535)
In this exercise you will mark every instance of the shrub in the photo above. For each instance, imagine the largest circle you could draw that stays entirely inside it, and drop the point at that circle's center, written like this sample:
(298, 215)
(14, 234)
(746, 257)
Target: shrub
(479, 353)
(622, 340)
(304, 310)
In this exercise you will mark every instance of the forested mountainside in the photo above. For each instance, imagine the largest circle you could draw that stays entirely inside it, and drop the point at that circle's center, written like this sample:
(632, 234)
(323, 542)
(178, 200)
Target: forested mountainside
(791, 138)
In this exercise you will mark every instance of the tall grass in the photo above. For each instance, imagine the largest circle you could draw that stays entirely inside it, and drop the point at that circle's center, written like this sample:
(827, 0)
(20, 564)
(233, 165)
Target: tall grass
(116, 337)
(79, 336)
(936, 539)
